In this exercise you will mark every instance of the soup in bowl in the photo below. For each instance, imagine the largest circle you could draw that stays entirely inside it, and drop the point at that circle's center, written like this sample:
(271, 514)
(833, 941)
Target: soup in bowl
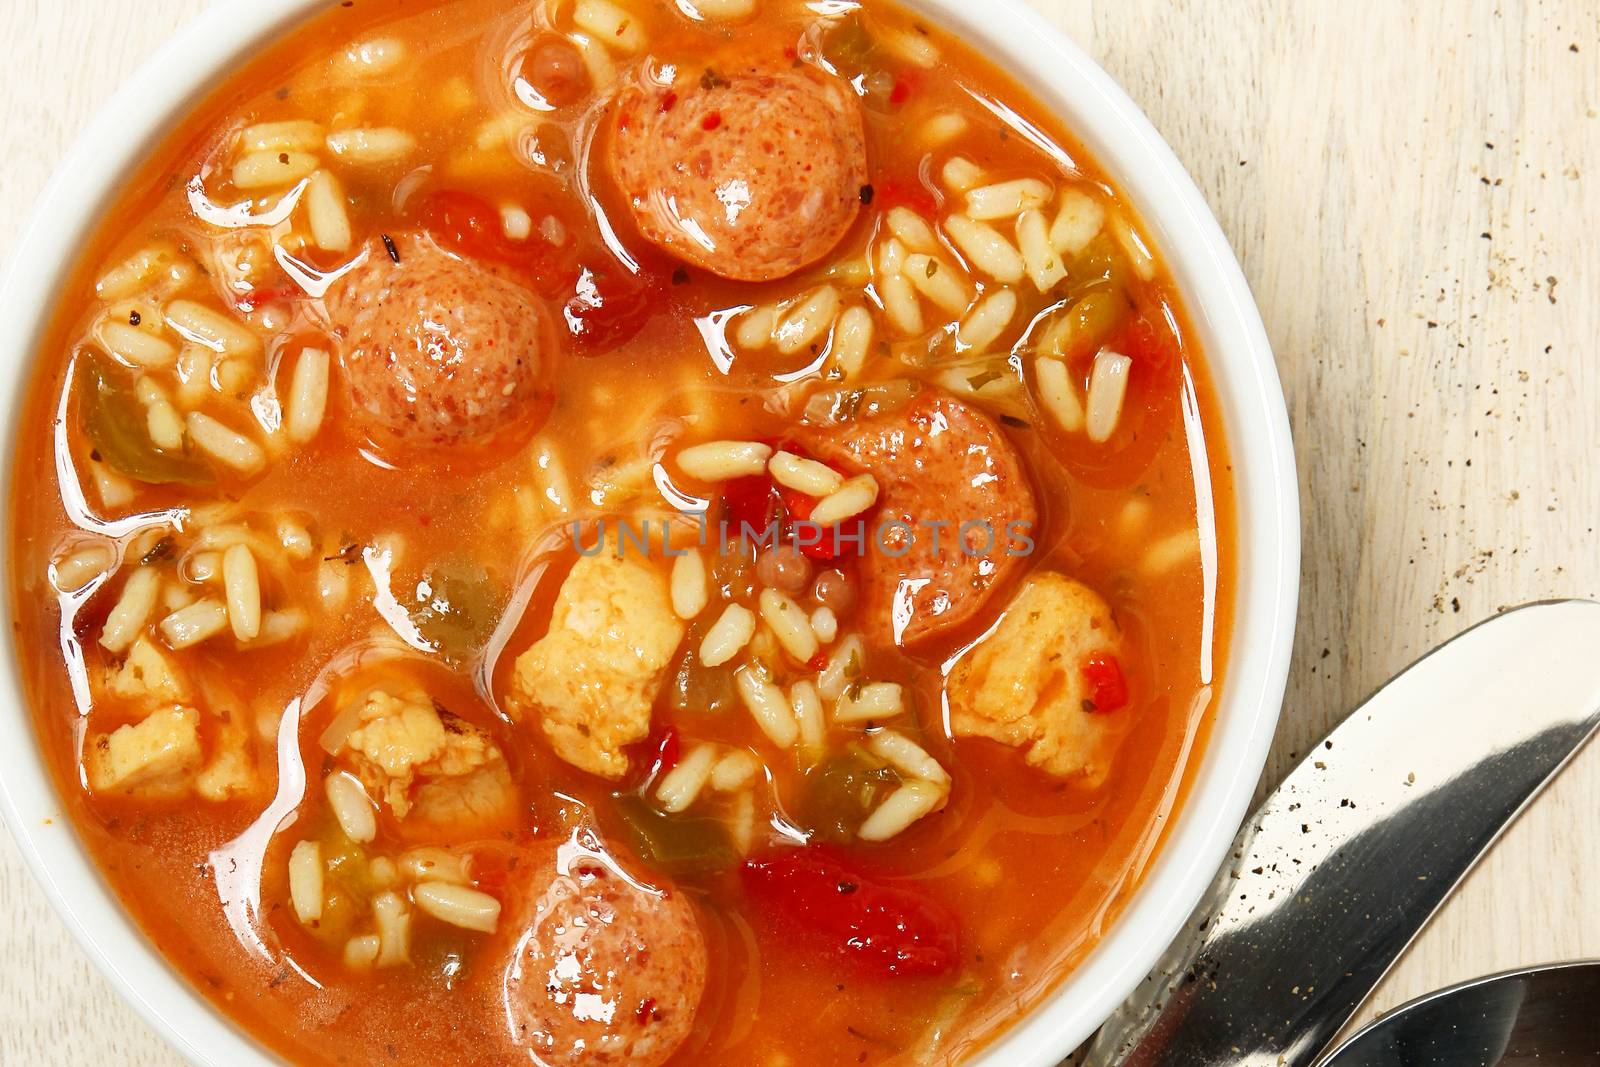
(631, 533)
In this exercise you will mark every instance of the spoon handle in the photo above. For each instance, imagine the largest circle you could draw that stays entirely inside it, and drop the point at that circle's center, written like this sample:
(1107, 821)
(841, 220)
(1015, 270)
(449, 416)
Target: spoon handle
(1350, 856)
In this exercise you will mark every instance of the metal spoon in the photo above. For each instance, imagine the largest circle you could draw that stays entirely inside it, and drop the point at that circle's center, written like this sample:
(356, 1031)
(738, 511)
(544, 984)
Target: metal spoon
(1341, 866)
(1540, 1017)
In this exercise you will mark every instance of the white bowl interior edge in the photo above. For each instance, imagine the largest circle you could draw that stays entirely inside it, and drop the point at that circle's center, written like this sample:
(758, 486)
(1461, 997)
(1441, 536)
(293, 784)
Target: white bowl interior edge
(1230, 335)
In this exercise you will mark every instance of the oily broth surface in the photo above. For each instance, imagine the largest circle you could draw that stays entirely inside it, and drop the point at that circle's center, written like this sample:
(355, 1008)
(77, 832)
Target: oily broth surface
(1035, 870)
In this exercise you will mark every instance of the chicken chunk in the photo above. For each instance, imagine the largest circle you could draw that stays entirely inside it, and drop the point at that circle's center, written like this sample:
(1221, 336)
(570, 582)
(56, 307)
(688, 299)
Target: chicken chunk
(433, 769)
(591, 681)
(147, 677)
(441, 350)
(1025, 684)
(752, 175)
(605, 971)
(231, 770)
(153, 755)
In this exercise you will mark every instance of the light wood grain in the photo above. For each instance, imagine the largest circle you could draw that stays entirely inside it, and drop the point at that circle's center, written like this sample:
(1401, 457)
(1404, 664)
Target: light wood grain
(1414, 192)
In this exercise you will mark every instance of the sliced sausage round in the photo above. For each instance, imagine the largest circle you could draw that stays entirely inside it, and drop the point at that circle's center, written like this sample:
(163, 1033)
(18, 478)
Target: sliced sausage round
(604, 971)
(956, 513)
(440, 350)
(752, 175)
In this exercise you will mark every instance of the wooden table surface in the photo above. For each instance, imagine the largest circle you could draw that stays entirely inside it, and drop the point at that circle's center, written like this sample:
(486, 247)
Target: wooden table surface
(1414, 192)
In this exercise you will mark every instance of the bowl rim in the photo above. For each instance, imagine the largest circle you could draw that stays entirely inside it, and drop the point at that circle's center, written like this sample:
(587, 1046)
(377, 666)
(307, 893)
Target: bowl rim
(1222, 313)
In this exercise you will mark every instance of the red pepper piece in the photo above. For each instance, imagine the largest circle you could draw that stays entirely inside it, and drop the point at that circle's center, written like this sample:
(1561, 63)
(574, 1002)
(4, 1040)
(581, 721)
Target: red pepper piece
(1107, 685)
(887, 930)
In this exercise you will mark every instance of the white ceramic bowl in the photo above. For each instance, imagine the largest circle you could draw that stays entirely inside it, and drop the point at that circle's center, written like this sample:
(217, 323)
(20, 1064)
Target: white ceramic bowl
(1226, 325)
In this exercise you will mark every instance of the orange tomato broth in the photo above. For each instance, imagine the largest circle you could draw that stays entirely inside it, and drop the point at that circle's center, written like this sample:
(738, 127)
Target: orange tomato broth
(1035, 869)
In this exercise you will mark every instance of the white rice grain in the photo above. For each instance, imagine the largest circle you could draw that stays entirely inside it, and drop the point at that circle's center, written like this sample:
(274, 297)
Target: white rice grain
(351, 807)
(293, 135)
(844, 667)
(113, 489)
(717, 461)
(1045, 266)
(1169, 553)
(805, 324)
(133, 345)
(194, 375)
(295, 539)
(912, 45)
(241, 584)
(225, 445)
(986, 249)
(912, 801)
(900, 303)
(1077, 223)
(470, 909)
(77, 569)
(273, 170)
(515, 222)
(200, 621)
(611, 24)
(392, 917)
(371, 146)
(825, 624)
(1057, 394)
(361, 951)
(804, 475)
(703, 10)
(873, 702)
(912, 229)
(852, 340)
(305, 881)
(728, 635)
(132, 610)
(766, 704)
(279, 626)
(939, 282)
(1108, 386)
(680, 787)
(734, 771)
(756, 327)
(907, 757)
(160, 267)
(851, 499)
(326, 213)
(988, 320)
(688, 585)
(807, 705)
(433, 864)
(1006, 200)
(370, 58)
(212, 328)
(789, 624)
(742, 822)
(308, 395)
(1132, 242)
(960, 174)
(940, 129)
(162, 420)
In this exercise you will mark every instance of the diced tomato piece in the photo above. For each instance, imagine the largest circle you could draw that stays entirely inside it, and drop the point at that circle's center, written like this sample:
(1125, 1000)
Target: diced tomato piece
(900, 93)
(467, 224)
(896, 192)
(470, 225)
(749, 502)
(1108, 688)
(610, 305)
(886, 930)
